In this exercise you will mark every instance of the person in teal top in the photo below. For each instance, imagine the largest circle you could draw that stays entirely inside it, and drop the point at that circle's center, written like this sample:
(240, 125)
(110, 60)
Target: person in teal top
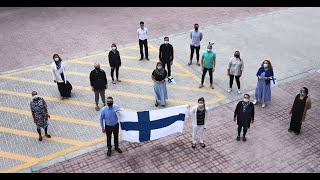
(208, 63)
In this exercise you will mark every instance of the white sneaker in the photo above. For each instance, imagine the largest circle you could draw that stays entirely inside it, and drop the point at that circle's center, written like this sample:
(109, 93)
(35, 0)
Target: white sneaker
(229, 90)
(239, 92)
(263, 105)
(254, 101)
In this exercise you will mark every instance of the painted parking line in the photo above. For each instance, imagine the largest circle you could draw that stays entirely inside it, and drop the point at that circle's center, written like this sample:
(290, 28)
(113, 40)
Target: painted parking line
(15, 156)
(53, 117)
(83, 88)
(36, 135)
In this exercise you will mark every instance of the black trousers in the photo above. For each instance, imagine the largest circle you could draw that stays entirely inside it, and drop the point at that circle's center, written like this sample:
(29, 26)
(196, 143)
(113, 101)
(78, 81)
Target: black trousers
(145, 44)
(237, 80)
(112, 72)
(45, 130)
(192, 52)
(168, 67)
(295, 126)
(115, 130)
(244, 130)
(204, 74)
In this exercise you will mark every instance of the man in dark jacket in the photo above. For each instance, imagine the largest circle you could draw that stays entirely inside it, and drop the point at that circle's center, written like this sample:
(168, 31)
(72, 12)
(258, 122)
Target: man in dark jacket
(166, 55)
(244, 114)
(99, 84)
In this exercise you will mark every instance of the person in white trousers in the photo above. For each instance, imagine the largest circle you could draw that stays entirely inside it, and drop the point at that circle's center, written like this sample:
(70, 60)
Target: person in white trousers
(199, 116)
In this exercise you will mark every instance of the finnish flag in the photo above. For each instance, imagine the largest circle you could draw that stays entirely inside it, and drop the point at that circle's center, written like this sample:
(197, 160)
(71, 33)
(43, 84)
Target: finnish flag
(150, 125)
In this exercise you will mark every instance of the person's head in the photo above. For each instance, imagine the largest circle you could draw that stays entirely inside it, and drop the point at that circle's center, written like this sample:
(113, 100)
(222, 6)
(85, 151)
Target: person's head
(110, 101)
(201, 102)
(196, 27)
(113, 46)
(159, 65)
(34, 93)
(209, 47)
(304, 91)
(166, 40)
(56, 58)
(96, 66)
(246, 97)
(237, 55)
(142, 24)
(267, 64)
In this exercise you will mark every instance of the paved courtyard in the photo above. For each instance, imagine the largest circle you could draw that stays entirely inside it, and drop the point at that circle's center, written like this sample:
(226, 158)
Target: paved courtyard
(286, 36)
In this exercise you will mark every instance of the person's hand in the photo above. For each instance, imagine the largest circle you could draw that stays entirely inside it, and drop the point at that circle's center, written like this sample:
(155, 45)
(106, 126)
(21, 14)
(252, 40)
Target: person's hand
(252, 121)
(234, 119)
(92, 88)
(55, 81)
(228, 73)
(171, 62)
(34, 121)
(202, 68)
(106, 86)
(213, 69)
(48, 115)
(240, 74)
(259, 77)
(103, 131)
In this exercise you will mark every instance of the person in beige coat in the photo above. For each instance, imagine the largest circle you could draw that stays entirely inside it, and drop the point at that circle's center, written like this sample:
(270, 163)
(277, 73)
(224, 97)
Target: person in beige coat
(301, 105)
(199, 115)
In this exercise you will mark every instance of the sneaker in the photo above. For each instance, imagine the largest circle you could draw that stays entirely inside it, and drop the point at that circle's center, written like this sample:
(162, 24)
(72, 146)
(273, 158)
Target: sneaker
(109, 153)
(189, 63)
(263, 105)
(147, 59)
(119, 150)
(97, 108)
(193, 146)
(254, 101)
(201, 85)
(48, 136)
(113, 82)
(62, 98)
(118, 80)
(163, 105)
(239, 92)
(289, 130)
(157, 104)
(238, 138)
(40, 138)
(140, 59)
(229, 90)
(244, 139)
(211, 86)
(202, 145)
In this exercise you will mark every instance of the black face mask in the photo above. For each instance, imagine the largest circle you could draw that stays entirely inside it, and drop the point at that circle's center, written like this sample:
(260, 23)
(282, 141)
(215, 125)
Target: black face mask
(97, 68)
(196, 28)
(237, 55)
(110, 104)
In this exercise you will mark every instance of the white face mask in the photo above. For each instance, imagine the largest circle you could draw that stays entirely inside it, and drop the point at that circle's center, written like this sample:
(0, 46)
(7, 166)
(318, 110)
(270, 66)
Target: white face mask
(200, 105)
(113, 48)
(56, 59)
(265, 65)
(246, 100)
(159, 67)
(166, 42)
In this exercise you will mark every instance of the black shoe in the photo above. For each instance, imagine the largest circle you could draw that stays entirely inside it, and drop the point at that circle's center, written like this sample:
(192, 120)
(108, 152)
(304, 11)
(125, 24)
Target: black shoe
(140, 59)
(119, 150)
(163, 105)
(297, 133)
(48, 136)
(157, 104)
(202, 145)
(147, 59)
(40, 138)
(189, 63)
(244, 139)
(193, 146)
(109, 153)
(289, 130)
(238, 138)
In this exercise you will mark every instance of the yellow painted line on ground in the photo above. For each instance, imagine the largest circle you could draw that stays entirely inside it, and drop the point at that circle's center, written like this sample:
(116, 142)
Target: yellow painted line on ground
(36, 135)
(47, 98)
(52, 156)
(143, 82)
(15, 156)
(53, 117)
(24, 71)
(177, 101)
(123, 67)
(152, 48)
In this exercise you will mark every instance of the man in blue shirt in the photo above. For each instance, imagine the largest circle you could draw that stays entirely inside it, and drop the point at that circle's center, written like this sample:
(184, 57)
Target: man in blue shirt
(109, 124)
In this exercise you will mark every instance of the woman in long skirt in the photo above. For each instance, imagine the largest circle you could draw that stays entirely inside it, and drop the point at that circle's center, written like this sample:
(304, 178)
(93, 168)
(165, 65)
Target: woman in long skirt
(160, 89)
(263, 89)
(59, 77)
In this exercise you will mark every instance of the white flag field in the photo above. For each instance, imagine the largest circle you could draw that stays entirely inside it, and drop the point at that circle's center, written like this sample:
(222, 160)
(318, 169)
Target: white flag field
(150, 125)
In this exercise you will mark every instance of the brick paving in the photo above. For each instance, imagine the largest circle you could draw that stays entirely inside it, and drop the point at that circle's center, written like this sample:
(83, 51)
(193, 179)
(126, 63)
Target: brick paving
(269, 147)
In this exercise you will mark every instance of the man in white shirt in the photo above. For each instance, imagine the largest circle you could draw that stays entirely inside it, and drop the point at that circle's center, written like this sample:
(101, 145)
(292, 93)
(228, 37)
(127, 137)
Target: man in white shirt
(142, 35)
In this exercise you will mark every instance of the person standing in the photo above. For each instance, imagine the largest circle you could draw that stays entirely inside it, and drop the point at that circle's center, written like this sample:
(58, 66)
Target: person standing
(143, 35)
(208, 63)
(114, 62)
(235, 68)
(196, 37)
(199, 116)
(40, 114)
(263, 89)
(166, 55)
(59, 77)
(244, 114)
(160, 89)
(99, 84)
(301, 104)
(110, 125)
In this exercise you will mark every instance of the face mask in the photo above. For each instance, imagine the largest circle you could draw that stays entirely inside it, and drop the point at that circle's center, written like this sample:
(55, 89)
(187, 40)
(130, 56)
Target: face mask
(56, 59)
(209, 50)
(166, 42)
(159, 67)
(265, 65)
(237, 55)
(246, 100)
(96, 68)
(141, 26)
(302, 93)
(196, 28)
(200, 105)
(110, 104)
(113, 48)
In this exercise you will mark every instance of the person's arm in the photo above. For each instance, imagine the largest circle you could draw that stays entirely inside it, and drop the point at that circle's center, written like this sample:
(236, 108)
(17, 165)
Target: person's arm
(32, 112)
(53, 74)
(308, 103)
(110, 59)
(191, 35)
(171, 54)
(202, 59)
(293, 103)
(252, 113)
(91, 80)
(241, 68)
(236, 111)
(105, 78)
(206, 118)
(119, 58)
(102, 121)
(64, 72)
(153, 78)
(214, 63)
(147, 33)
(229, 66)
(138, 33)
(160, 53)
(201, 36)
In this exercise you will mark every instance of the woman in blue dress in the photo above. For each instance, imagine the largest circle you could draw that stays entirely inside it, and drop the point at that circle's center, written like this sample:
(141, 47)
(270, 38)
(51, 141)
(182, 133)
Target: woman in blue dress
(263, 89)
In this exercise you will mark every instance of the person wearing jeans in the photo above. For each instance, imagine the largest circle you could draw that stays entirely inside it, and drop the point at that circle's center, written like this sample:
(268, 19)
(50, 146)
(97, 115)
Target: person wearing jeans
(208, 63)
(110, 125)
(234, 70)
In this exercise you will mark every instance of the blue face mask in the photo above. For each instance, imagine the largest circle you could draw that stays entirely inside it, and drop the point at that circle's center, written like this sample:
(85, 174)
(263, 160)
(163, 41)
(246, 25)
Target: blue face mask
(200, 105)
(159, 67)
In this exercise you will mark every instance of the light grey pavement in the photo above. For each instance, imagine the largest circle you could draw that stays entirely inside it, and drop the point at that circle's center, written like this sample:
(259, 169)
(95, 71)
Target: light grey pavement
(286, 37)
